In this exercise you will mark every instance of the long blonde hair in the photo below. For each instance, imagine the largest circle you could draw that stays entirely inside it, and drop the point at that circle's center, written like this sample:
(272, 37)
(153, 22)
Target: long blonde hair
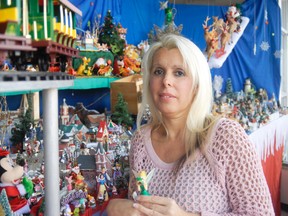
(199, 118)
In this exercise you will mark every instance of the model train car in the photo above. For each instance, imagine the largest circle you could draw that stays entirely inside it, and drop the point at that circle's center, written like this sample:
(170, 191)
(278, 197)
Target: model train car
(41, 32)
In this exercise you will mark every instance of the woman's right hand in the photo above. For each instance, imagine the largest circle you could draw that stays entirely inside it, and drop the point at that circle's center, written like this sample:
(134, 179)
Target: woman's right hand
(120, 207)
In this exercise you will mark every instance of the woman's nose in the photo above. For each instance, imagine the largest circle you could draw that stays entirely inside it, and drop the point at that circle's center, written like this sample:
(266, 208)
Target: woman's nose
(167, 81)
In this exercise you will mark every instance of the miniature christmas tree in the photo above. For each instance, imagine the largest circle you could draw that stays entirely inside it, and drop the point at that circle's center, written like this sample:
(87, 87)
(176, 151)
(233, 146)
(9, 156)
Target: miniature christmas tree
(121, 116)
(26, 120)
(110, 36)
(229, 88)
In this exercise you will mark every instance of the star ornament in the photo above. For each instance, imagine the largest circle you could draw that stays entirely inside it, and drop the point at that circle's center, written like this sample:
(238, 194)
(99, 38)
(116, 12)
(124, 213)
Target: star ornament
(163, 5)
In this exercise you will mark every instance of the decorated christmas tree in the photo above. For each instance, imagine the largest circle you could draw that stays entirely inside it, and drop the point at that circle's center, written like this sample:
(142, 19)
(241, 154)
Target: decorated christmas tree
(121, 115)
(229, 88)
(109, 35)
(21, 128)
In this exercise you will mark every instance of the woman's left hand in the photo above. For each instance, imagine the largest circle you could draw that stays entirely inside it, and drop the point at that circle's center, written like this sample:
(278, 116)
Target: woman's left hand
(159, 206)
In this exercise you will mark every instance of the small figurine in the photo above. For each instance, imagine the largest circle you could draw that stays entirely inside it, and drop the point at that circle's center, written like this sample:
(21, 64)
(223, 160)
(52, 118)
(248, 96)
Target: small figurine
(117, 172)
(102, 189)
(69, 181)
(106, 176)
(91, 201)
(142, 181)
(68, 210)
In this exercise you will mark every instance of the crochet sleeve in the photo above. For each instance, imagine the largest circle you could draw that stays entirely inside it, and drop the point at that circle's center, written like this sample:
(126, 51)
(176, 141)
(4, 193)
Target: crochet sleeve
(240, 171)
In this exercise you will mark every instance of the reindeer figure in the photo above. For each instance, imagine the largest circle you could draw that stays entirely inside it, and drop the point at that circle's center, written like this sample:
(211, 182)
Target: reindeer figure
(211, 39)
(225, 37)
(218, 25)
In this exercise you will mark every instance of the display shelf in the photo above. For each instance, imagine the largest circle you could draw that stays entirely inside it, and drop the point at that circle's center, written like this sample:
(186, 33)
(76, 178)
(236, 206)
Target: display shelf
(49, 84)
(47, 80)
(95, 82)
(21, 82)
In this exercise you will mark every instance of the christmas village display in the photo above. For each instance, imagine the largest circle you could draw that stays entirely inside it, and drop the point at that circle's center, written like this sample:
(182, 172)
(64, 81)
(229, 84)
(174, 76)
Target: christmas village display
(93, 146)
(251, 107)
(94, 150)
(93, 156)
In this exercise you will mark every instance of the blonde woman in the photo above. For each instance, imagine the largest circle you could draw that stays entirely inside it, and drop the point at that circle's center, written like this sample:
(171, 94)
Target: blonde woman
(202, 165)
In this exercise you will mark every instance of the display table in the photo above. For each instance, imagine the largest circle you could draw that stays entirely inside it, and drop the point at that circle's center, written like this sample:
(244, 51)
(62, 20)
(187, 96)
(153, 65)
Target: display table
(269, 142)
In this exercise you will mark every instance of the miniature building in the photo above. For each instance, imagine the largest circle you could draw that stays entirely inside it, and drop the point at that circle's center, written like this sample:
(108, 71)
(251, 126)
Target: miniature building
(64, 113)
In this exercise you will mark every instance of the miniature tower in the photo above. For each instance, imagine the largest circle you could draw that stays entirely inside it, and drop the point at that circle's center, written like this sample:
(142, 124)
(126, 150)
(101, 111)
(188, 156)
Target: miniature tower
(100, 158)
(64, 114)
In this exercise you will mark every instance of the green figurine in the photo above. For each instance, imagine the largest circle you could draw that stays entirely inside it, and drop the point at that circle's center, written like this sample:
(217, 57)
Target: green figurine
(142, 181)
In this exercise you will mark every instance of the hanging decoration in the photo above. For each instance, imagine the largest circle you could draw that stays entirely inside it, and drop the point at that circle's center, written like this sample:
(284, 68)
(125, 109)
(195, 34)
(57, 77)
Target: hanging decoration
(169, 25)
(222, 35)
(277, 54)
(255, 29)
(265, 44)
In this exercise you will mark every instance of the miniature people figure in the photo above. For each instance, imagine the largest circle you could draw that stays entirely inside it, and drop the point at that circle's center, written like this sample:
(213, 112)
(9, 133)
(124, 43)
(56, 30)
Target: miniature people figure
(91, 201)
(203, 165)
(102, 188)
(106, 176)
(117, 172)
(69, 181)
(68, 210)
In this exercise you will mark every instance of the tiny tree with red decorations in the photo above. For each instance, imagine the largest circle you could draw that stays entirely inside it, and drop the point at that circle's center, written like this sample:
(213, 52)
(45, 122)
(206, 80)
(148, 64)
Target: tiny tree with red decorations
(110, 36)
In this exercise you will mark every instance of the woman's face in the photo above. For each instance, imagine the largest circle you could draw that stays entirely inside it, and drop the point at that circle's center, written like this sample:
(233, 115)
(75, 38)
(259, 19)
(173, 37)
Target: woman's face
(170, 83)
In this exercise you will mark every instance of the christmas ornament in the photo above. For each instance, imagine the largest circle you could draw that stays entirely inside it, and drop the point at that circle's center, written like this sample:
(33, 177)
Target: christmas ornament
(277, 54)
(265, 45)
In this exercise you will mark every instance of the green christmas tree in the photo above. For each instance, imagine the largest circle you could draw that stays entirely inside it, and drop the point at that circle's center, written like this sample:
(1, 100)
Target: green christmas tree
(229, 88)
(26, 120)
(110, 36)
(121, 115)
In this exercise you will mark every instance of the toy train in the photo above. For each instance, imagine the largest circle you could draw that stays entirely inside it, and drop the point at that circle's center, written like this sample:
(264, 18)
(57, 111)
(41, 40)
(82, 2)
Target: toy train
(38, 32)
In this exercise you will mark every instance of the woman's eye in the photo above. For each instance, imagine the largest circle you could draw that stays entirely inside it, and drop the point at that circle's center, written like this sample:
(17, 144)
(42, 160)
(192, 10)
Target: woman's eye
(158, 72)
(180, 73)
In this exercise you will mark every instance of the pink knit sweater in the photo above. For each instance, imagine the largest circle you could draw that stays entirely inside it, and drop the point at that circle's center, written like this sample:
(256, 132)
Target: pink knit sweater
(226, 180)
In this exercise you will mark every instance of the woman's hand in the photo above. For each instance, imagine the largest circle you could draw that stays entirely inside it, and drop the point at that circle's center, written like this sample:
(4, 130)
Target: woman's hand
(120, 207)
(159, 206)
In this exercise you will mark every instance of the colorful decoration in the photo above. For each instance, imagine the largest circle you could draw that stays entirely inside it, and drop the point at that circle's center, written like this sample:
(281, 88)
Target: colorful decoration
(222, 35)
(109, 35)
(169, 25)
(84, 69)
(142, 181)
(18, 192)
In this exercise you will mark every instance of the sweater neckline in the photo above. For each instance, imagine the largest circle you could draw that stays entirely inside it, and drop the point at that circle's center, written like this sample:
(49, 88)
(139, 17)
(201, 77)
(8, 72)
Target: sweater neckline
(153, 155)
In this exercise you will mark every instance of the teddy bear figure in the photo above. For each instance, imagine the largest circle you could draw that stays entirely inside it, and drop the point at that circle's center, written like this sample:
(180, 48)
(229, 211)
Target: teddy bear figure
(17, 188)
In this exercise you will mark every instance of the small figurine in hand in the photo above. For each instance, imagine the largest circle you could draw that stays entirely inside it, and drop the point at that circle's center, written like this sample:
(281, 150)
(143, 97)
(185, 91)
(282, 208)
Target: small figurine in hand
(18, 189)
(142, 181)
